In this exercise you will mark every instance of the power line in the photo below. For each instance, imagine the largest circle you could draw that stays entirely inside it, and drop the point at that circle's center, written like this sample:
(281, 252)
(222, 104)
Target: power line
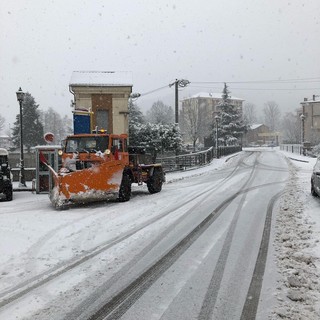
(154, 90)
(276, 89)
(279, 81)
(298, 80)
(258, 89)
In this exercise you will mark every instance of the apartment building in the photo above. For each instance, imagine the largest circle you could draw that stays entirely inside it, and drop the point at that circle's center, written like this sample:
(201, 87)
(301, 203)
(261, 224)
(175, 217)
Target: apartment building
(310, 120)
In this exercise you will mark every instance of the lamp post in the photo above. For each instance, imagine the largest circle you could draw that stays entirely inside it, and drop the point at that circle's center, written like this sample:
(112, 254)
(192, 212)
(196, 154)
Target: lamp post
(22, 181)
(182, 83)
(217, 121)
(302, 117)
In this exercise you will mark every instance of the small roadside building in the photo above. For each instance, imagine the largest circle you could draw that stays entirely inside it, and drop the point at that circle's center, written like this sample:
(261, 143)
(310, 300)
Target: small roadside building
(260, 134)
(5, 142)
(101, 100)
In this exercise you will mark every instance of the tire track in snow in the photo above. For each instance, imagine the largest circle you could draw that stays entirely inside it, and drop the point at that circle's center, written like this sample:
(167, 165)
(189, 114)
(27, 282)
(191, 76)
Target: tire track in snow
(211, 295)
(250, 307)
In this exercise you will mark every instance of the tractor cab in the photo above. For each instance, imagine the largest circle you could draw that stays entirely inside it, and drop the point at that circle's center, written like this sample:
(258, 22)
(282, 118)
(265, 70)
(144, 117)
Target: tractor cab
(83, 151)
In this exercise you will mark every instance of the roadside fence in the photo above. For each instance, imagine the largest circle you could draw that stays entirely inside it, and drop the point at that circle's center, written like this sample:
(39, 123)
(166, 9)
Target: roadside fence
(293, 148)
(197, 159)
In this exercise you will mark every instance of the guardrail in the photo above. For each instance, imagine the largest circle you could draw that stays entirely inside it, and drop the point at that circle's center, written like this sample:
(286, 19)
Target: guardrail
(197, 159)
(293, 148)
(29, 173)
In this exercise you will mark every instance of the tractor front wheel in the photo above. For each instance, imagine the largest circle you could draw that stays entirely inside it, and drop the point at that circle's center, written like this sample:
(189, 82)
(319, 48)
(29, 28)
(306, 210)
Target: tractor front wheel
(8, 193)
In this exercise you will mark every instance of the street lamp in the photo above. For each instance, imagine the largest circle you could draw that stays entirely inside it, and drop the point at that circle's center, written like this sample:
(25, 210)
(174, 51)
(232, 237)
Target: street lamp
(131, 97)
(22, 181)
(217, 121)
(302, 117)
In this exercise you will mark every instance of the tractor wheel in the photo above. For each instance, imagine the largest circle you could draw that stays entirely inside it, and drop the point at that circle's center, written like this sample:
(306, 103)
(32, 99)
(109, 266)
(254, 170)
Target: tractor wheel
(313, 192)
(125, 188)
(8, 194)
(154, 183)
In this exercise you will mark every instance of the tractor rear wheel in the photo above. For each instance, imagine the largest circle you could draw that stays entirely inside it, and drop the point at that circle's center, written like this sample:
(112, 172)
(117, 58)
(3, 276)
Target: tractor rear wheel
(313, 191)
(154, 183)
(125, 188)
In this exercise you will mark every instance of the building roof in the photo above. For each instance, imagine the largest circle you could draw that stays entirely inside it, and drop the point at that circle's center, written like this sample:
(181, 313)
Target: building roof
(3, 152)
(255, 126)
(211, 95)
(306, 101)
(101, 78)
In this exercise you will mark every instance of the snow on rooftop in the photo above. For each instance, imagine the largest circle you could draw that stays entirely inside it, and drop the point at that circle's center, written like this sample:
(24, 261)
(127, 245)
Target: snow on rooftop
(310, 101)
(101, 78)
(211, 95)
(255, 126)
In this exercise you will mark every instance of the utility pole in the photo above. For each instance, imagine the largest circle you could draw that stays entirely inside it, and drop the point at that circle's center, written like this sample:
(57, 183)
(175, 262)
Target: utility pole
(178, 83)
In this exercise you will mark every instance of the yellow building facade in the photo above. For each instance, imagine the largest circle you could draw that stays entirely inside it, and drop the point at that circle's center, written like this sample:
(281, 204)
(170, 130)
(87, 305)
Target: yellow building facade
(102, 95)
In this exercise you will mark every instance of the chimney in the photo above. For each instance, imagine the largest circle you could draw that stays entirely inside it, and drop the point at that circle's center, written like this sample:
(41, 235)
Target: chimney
(314, 97)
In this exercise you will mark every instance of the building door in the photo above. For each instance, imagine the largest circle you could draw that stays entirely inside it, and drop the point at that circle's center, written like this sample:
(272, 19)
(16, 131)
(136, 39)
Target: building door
(44, 179)
(102, 111)
(102, 119)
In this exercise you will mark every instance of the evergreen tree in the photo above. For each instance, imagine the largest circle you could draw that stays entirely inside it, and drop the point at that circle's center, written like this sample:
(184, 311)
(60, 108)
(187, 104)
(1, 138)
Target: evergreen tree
(136, 119)
(160, 137)
(231, 127)
(135, 114)
(32, 126)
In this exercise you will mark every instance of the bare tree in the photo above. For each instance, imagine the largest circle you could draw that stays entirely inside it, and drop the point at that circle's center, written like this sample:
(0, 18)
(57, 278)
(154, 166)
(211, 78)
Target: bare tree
(194, 121)
(291, 127)
(272, 115)
(160, 113)
(249, 113)
(53, 122)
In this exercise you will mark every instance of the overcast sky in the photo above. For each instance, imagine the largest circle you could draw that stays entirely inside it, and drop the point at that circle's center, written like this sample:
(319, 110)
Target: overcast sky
(207, 42)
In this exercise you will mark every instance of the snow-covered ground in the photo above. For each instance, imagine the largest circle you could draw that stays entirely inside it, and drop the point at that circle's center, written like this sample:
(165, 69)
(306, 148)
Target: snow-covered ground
(297, 245)
(29, 225)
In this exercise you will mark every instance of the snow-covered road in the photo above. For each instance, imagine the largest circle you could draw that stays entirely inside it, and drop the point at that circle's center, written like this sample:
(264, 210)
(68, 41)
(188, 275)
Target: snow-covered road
(188, 252)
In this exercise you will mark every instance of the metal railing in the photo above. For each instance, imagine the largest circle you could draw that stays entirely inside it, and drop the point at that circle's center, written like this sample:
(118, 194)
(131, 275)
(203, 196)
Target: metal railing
(293, 148)
(197, 159)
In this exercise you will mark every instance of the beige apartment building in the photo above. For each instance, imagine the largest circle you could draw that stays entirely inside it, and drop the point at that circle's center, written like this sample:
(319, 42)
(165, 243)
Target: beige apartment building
(208, 106)
(310, 120)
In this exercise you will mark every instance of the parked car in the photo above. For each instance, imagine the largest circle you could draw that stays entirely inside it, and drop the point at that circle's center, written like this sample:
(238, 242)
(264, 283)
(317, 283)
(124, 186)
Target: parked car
(5, 175)
(315, 179)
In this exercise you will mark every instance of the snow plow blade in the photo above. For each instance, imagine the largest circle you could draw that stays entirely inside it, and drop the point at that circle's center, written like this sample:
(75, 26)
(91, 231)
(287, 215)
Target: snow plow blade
(97, 183)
